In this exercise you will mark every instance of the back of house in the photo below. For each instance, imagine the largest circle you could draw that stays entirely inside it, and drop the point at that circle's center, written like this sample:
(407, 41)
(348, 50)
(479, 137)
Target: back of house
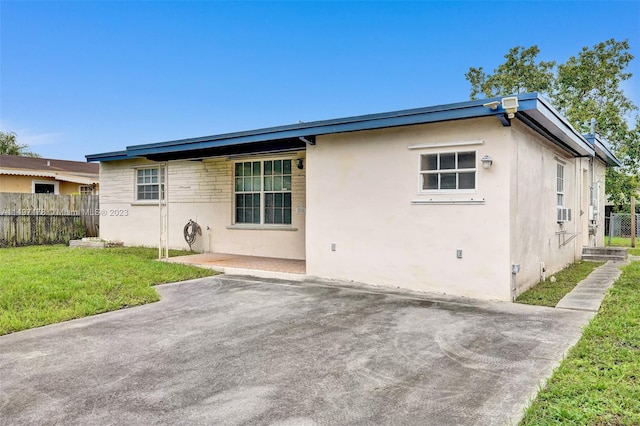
(473, 199)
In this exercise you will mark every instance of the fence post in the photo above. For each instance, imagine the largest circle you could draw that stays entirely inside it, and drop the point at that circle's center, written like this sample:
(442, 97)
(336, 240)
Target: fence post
(633, 221)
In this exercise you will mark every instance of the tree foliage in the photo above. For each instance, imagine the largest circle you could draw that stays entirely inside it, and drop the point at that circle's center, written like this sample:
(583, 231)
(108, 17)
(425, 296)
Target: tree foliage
(587, 86)
(519, 74)
(9, 146)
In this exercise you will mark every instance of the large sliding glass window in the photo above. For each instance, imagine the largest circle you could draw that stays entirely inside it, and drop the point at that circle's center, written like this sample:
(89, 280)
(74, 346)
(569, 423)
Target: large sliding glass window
(263, 192)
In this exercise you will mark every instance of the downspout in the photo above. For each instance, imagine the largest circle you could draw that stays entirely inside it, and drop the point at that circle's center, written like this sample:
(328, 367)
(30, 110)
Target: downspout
(163, 209)
(579, 189)
(593, 238)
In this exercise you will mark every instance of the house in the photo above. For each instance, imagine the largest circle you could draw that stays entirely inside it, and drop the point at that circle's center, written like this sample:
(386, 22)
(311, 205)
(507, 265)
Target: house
(46, 175)
(476, 199)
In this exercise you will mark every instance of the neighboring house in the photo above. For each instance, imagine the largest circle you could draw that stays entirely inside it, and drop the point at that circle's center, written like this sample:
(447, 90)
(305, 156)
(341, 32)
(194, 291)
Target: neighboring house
(474, 198)
(46, 175)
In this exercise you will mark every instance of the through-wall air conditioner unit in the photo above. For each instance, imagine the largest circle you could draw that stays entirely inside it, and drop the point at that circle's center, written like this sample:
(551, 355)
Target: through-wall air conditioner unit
(564, 214)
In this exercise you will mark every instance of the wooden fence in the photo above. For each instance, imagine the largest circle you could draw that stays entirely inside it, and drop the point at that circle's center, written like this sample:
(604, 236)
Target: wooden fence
(33, 219)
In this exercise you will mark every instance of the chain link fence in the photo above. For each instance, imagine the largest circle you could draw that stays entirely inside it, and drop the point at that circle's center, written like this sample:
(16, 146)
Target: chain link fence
(620, 225)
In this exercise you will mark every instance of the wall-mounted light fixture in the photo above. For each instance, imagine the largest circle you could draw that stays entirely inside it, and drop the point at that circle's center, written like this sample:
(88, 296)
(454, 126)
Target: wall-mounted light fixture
(300, 165)
(486, 161)
(492, 105)
(511, 105)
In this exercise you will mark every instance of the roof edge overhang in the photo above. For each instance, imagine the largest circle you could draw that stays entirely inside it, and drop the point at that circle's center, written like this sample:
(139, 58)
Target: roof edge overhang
(539, 115)
(533, 110)
(63, 177)
(109, 156)
(603, 150)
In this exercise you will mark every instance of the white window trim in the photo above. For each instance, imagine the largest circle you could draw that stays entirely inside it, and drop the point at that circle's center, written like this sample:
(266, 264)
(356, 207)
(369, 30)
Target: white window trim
(447, 191)
(562, 192)
(137, 201)
(55, 183)
(262, 225)
(432, 145)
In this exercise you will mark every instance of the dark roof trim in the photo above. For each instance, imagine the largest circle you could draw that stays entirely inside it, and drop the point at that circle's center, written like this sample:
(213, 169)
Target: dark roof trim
(109, 156)
(532, 110)
(603, 150)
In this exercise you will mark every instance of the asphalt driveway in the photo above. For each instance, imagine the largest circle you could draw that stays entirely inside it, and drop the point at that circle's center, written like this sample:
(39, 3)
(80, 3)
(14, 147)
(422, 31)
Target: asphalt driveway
(233, 351)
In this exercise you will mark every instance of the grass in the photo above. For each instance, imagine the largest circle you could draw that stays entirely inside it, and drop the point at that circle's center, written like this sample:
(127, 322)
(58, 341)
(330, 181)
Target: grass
(549, 293)
(624, 242)
(599, 381)
(620, 241)
(47, 284)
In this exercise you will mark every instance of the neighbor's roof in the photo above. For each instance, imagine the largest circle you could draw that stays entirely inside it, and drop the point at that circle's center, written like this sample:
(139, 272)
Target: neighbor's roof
(533, 111)
(64, 170)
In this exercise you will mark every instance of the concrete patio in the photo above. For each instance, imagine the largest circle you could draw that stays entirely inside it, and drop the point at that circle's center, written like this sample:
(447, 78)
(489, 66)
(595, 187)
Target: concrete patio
(265, 267)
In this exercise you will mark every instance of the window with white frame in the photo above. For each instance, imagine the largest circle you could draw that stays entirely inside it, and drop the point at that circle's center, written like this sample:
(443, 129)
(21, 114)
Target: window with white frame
(448, 171)
(44, 187)
(149, 183)
(263, 192)
(86, 189)
(560, 186)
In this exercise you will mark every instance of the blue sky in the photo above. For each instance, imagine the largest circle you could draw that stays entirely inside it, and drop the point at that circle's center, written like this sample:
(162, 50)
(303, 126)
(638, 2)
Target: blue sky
(82, 77)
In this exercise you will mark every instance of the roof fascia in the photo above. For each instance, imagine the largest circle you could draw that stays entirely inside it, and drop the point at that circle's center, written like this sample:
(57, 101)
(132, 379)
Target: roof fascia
(603, 150)
(538, 114)
(449, 112)
(34, 173)
(109, 156)
(533, 110)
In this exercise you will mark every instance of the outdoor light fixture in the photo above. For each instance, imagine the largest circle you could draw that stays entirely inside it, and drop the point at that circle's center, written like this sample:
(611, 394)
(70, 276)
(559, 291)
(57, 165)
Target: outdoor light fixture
(300, 165)
(511, 105)
(486, 161)
(492, 105)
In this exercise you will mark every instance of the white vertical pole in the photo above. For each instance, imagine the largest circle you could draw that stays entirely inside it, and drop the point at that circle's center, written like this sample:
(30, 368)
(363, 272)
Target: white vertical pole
(166, 212)
(163, 205)
(633, 221)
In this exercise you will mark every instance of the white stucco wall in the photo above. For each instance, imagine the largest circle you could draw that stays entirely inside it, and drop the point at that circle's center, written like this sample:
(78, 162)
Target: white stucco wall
(202, 191)
(533, 207)
(536, 237)
(360, 190)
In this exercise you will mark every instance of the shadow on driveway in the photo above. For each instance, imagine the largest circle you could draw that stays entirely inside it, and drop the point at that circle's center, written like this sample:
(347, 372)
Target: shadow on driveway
(234, 350)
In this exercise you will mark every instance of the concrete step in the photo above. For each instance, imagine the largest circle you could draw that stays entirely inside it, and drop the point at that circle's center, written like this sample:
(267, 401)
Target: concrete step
(604, 253)
(597, 258)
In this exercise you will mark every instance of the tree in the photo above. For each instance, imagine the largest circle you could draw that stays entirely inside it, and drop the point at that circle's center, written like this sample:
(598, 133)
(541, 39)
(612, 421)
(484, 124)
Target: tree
(9, 146)
(519, 74)
(587, 86)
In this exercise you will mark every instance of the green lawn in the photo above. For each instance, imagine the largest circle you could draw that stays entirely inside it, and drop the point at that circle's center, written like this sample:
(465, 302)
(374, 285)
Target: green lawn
(549, 293)
(47, 284)
(599, 381)
(620, 241)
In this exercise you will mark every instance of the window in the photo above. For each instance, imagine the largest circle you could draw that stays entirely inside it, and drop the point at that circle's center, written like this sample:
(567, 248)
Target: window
(451, 171)
(86, 189)
(44, 188)
(149, 182)
(263, 192)
(560, 186)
